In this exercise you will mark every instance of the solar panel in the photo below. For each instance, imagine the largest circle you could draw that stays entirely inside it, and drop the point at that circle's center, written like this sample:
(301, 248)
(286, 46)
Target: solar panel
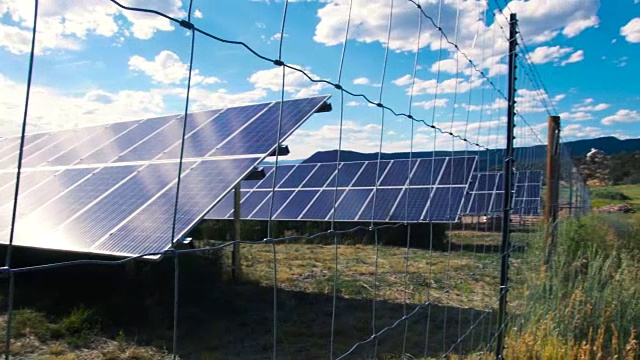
(110, 189)
(307, 191)
(486, 193)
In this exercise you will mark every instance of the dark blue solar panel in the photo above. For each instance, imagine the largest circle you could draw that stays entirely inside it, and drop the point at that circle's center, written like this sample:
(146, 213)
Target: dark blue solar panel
(427, 171)
(457, 171)
(486, 181)
(9, 156)
(397, 175)
(150, 229)
(250, 184)
(69, 203)
(520, 191)
(203, 141)
(322, 205)
(84, 144)
(413, 209)
(367, 177)
(156, 143)
(533, 191)
(118, 145)
(224, 209)
(385, 199)
(529, 207)
(297, 176)
(118, 204)
(445, 204)
(279, 199)
(496, 204)
(534, 177)
(480, 203)
(282, 172)
(251, 202)
(321, 176)
(257, 137)
(296, 205)
(352, 203)
(347, 173)
(500, 182)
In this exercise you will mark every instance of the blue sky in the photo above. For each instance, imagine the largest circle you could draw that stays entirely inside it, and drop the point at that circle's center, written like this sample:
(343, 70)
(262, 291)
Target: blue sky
(97, 63)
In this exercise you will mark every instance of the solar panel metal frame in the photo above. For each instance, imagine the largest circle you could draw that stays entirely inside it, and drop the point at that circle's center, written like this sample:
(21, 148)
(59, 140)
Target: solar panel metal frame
(258, 158)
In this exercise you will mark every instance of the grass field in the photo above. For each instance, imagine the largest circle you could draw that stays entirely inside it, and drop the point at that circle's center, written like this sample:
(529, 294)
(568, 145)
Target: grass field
(632, 191)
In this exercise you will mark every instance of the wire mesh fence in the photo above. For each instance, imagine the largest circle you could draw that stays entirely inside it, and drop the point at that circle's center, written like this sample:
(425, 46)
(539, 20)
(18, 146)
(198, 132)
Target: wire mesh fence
(365, 286)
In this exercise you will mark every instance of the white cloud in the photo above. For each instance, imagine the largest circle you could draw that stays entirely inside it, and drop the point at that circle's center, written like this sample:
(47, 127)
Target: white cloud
(577, 131)
(166, 68)
(353, 103)
(361, 81)
(432, 103)
(545, 54)
(539, 20)
(50, 109)
(622, 116)
(587, 107)
(295, 83)
(574, 58)
(452, 85)
(631, 31)
(576, 116)
(276, 36)
(198, 14)
(203, 99)
(65, 24)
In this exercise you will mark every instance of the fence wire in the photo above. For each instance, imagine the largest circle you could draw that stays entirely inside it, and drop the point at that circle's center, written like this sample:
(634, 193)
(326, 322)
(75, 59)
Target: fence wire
(449, 292)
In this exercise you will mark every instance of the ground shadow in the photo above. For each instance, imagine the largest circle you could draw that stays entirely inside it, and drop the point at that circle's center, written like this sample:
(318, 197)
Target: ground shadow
(220, 319)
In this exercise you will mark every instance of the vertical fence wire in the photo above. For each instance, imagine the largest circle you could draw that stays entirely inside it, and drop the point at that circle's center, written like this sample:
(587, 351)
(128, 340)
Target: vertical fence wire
(14, 209)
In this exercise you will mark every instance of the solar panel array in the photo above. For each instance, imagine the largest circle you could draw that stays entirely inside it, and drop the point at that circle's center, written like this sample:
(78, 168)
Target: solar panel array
(434, 187)
(487, 193)
(110, 189)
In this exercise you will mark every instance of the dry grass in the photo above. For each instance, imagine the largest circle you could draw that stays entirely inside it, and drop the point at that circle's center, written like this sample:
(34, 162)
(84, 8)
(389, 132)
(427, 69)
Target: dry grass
(470, 278)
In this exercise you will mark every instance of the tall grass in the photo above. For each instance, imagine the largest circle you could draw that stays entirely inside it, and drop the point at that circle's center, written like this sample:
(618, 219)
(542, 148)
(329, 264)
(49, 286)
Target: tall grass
(587, 306)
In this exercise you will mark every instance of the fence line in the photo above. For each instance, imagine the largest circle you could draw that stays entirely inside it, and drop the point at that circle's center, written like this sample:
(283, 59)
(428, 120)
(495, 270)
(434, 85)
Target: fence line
(525, 136)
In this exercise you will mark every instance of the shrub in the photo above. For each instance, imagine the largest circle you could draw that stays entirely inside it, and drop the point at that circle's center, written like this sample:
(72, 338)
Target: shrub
(30, 323)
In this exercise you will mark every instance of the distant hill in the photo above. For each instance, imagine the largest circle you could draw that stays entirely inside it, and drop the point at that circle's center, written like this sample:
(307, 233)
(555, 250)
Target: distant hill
(534, 154)
(609, 144)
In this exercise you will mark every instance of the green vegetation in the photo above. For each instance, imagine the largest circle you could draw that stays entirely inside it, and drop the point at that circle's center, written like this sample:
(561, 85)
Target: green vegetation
(588, 304)
(620, 194)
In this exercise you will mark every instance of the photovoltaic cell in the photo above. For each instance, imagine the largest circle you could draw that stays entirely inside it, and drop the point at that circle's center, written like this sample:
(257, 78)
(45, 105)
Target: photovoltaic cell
(488, 193)
(111, 189)
(356, 186)
(321, 207)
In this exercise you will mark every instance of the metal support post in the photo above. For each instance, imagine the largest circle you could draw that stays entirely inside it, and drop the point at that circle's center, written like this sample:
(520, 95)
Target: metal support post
(508, 179)
(236, 263)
